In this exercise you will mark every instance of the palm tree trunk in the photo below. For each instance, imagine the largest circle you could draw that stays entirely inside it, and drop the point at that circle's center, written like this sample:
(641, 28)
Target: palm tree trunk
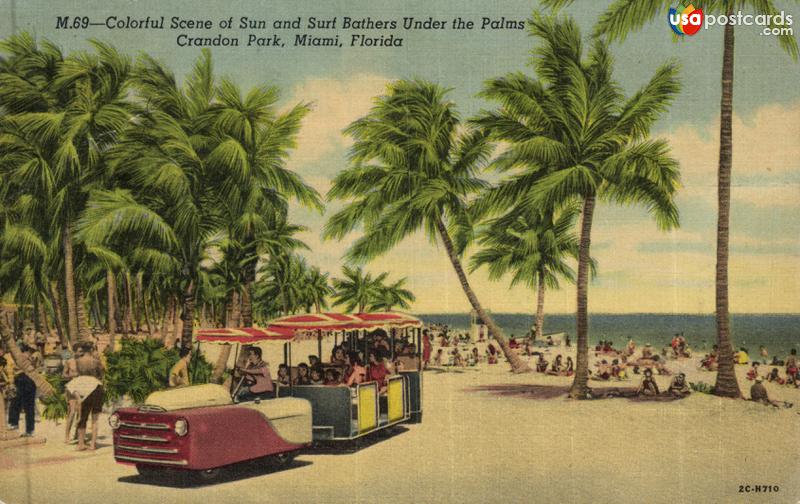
(726, 384)
(137, 303)
(247, 294)
(58, 319)
(129, 304)
(164, 319)
(233, 316)
(147, 318)
(84, 334)
(517, 365)
(24, 363)
(37, 322)
(540, 308)
(580, 385)
(45, 323)
(187, 316)
(69, 282)
(111, 291)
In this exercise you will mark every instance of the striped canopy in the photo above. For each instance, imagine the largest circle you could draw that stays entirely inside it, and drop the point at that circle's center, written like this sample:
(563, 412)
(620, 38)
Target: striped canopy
(310, 325)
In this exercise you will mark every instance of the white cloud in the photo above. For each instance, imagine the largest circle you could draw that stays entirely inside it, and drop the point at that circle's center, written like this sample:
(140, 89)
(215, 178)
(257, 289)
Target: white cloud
(336, 103)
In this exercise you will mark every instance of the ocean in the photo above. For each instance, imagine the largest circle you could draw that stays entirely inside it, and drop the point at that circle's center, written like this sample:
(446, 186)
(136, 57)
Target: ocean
(778, 333)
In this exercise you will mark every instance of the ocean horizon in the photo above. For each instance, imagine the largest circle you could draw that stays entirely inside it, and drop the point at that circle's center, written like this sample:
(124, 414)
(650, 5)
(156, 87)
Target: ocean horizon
(777, 332)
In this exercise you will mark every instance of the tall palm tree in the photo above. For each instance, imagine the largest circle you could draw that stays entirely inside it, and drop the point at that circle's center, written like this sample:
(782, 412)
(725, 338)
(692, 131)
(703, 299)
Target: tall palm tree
(616, 23)
(64, 114)
(533, 246)
(413, 167)
(575, 138)
(318, 288)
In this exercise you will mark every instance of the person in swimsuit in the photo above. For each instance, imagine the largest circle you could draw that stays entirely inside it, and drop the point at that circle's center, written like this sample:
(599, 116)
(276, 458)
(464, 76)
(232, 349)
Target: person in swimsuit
(648, 386)
(678, 386)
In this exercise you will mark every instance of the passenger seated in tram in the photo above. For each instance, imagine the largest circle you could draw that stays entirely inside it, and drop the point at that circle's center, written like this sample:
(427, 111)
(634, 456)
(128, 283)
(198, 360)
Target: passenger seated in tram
(358, 373)
(316, 376)
(256, 380)
(377, 371)
(313, 361)
(338, 357)
(302, 375)
(331, 377)
(283, 375)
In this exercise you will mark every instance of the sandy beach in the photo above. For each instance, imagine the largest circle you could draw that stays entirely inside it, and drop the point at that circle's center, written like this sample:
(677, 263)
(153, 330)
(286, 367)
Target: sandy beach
(487, 436)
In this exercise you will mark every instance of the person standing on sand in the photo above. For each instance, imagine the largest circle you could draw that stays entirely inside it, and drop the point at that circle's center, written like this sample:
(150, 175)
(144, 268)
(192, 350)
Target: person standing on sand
(426, 349)
(25, 399)
(88, 392)
(791, 367)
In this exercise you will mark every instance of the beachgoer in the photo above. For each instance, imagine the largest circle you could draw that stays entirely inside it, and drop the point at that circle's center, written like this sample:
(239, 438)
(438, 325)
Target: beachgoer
(791, 366)
(556, 366)
(678, 386)
(437, 361)
(741, 357)
(492, 357)
(88, 392)
(774, 376)
(541, 364)
(569, 367)
(647, 352)
(179, 374)
(764, 353)
(752, 373)
(88, 361)
(648, 386)
(426, 349)
(25, 398)
(758, 393)
(257, 382)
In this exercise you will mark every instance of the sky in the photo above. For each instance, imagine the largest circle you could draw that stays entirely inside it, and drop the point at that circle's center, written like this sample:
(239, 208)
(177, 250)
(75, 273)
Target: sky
(640, 269)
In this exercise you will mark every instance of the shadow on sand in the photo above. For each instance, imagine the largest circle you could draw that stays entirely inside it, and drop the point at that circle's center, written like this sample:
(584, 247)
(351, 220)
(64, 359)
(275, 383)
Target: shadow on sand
(358, 444)
(554, 391)
(236, 472)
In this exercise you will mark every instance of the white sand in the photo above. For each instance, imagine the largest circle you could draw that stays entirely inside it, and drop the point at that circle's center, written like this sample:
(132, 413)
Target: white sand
(482, 447)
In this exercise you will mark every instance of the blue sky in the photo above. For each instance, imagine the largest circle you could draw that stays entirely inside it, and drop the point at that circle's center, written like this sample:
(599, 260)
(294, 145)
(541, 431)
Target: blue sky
(641, 269)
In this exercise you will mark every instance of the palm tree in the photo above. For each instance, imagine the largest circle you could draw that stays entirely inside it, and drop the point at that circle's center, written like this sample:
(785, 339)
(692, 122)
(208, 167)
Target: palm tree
(358, 290)
(393, 296)
(412, 168)
(616, 23)
(531, 245)
(575, 139)
(64, 114)
(317, 288)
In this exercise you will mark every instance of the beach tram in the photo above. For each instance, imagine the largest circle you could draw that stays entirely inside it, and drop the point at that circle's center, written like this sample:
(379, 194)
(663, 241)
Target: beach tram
(341, 412)
(201, 428)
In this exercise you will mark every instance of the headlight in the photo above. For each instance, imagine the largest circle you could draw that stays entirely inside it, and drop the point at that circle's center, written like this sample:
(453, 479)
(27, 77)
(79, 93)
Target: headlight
(113, 421)
(181, 427)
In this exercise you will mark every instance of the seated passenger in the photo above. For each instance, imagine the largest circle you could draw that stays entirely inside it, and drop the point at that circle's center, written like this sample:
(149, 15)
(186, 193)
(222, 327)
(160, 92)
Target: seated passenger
(338, 356)
(316, 376)
(257, 382)
(377, 371)
(678, 386)
(648, 386)
(302, 375)
(358, 373)
(313, 361)
(332, 377)
(283, 375)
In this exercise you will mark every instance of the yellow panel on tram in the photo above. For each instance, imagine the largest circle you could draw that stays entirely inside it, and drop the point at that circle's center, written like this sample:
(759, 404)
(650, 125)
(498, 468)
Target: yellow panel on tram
(367, 408)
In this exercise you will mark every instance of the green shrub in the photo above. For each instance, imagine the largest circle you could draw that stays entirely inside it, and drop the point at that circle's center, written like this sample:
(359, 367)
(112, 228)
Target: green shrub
(55, 406)
(141, 367)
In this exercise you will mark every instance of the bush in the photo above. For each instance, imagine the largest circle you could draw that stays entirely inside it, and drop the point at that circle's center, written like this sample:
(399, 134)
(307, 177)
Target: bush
(55, 406)
(142, 367)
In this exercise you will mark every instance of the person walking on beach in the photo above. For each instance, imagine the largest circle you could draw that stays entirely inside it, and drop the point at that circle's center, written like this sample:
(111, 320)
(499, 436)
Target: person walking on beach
(25, 399)
(87, 392)
(426, 349)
